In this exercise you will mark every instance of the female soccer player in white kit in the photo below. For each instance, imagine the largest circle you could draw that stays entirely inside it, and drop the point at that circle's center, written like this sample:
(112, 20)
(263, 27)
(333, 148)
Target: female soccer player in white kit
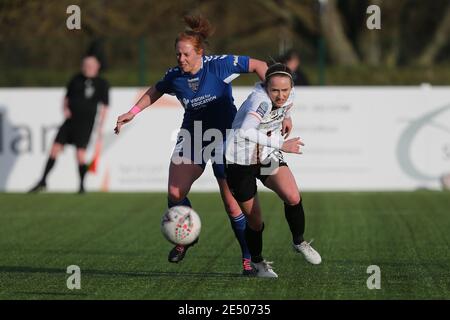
(253, 152)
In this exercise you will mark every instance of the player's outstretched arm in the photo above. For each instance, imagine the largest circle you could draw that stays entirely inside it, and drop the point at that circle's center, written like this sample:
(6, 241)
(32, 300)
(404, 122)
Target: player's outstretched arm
(149, 97)
(259, 67)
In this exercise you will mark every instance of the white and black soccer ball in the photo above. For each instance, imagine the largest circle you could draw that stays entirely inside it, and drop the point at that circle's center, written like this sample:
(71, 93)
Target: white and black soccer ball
(181, 225)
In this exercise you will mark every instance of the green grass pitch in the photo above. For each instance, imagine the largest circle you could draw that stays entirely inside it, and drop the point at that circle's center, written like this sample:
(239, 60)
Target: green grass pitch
(116, 241)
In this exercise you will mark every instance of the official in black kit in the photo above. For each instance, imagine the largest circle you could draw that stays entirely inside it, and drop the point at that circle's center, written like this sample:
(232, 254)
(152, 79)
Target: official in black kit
(85, 92)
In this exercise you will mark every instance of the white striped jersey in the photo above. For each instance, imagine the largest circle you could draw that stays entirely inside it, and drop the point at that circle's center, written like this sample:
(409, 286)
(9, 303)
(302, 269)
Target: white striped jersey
(256, 128)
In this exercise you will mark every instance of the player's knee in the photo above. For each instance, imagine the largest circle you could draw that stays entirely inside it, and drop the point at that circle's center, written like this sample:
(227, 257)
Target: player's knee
(255, 223)
(176, 194)
(56, 149)
(231, 207)
(292, 198)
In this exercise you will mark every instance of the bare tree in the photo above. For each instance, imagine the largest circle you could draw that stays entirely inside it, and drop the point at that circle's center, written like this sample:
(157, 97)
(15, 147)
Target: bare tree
(438, 42)
(339, 46)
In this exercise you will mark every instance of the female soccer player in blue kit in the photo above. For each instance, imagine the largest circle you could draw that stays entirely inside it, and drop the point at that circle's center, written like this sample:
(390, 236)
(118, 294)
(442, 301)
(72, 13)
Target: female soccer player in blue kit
(202, 84)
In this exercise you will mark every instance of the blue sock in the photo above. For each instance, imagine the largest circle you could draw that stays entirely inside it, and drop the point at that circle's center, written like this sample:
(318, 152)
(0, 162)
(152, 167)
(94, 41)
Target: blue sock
(238, 224)
(184, 202)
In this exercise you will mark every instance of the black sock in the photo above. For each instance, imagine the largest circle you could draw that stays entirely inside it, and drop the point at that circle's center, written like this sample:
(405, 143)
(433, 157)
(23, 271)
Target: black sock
(48, 168)
(295, 217)
(82, 169)
(254, 243)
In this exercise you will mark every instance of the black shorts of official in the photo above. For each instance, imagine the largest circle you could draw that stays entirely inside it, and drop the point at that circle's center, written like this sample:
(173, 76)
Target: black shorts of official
(241, 179)
(76, 133)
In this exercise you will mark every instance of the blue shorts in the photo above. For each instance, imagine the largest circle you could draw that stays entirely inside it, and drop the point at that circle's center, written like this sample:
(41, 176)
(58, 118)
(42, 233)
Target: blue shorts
(200, 152)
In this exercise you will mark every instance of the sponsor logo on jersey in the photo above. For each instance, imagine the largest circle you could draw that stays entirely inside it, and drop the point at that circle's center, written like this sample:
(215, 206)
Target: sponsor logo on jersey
(202, 101)
(275, 114)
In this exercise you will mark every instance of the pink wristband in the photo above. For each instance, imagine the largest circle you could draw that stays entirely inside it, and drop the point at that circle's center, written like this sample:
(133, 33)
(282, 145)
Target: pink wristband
(135, 110)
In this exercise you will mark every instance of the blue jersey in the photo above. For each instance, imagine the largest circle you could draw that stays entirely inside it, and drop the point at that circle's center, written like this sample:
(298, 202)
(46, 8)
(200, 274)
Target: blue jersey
(206, 96)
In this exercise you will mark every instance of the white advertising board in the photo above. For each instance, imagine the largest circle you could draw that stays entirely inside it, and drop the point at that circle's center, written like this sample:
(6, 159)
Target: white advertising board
(356, 138)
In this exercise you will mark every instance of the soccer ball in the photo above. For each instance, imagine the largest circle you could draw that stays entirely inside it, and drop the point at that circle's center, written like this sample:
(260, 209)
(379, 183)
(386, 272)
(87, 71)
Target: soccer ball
(181, 225)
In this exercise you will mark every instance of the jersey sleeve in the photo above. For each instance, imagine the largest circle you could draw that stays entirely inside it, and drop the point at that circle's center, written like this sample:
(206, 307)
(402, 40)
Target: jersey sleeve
(70, 87)
(229, 67)
(249, 128)
(104, 93)
(165, 85)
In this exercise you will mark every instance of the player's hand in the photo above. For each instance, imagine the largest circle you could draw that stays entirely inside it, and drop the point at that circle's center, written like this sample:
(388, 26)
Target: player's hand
(286, 127)
(121, 120)
(292, 145)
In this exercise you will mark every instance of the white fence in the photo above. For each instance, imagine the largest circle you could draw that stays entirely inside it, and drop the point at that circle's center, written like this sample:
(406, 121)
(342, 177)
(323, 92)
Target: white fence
(357, 138)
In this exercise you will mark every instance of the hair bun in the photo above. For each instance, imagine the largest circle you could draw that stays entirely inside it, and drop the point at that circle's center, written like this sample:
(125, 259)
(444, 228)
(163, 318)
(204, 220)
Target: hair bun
(198, 25)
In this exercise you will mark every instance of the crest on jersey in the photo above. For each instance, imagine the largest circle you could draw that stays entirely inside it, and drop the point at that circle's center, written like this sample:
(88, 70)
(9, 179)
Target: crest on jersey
(89, 89)
(193, 84)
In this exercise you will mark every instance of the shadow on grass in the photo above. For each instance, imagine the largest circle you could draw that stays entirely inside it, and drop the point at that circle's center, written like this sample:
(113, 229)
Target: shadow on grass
(22, 269)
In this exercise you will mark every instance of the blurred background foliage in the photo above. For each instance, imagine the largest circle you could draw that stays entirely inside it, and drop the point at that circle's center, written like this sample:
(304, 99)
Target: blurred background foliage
(136, 39)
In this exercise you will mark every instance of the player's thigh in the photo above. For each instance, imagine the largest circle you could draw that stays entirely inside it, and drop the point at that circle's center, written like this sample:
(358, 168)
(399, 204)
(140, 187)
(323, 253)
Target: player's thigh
(81, 155)
(81, 136)
(56, 149)
(62, 137)
(181, 178)
(241, 181)
(283, 183)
